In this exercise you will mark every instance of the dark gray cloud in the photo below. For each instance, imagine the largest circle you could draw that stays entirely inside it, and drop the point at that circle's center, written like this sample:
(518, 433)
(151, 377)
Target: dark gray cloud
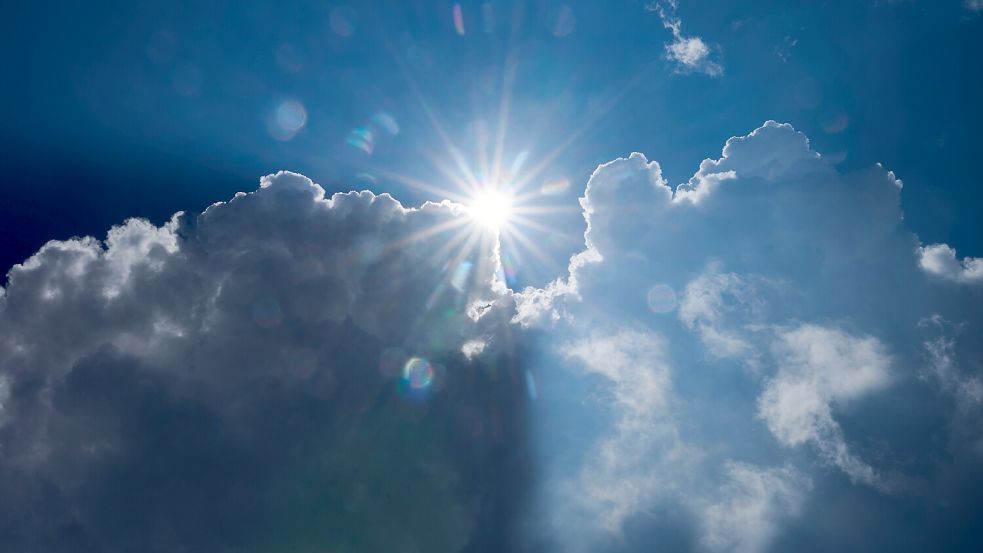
(280, 373)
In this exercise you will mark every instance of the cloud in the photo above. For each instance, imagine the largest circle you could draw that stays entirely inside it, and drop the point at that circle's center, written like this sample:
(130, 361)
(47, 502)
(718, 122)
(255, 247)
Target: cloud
(689, 53)
(943, 365)
(742, 361)
(784, 50)
(817, 368)
(703, 308)
(974, 5)
(281, 372)
(753, 501)
(787, 297)
(940, 259)
(623, 474)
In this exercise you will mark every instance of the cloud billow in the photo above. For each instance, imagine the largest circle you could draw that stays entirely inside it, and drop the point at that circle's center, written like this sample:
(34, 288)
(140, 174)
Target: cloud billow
(792, 324)
(761, 358)
(236, 381)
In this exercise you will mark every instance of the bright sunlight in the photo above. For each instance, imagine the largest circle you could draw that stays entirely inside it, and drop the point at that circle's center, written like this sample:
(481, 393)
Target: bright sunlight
(491, 208)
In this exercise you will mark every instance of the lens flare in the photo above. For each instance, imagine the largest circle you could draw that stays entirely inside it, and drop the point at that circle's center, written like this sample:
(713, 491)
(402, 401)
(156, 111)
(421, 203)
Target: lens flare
(458, 20)
(501, 201)
(386, 122)
(267, 312)
(554, 186)
(362, 139)
(459, 280)
(418, 374)
(562, 22)
(342, 21)
(287, 120)
(531, 388)
(661, 298)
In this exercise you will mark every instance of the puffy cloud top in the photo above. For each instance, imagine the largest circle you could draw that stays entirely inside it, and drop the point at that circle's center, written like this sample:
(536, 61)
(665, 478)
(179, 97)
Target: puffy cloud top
(283, 371)
(940, 259)
(788, 303)
(759, 358)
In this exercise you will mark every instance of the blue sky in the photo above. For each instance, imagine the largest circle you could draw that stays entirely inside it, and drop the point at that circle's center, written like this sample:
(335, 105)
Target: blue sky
(723, 297)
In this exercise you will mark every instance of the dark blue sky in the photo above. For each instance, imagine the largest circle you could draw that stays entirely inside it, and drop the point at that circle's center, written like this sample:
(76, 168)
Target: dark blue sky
(113, 110)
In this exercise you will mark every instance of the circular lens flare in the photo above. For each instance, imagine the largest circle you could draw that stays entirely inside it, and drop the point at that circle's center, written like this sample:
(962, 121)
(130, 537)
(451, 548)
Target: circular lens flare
(418, 373)
(491, 208)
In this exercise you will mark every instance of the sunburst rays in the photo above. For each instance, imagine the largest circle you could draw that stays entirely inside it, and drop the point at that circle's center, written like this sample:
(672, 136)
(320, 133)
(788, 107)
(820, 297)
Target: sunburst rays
(507, 192)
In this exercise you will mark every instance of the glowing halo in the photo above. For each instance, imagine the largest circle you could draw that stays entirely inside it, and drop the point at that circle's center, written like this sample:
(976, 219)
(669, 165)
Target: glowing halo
(503, 199)
(491, 208)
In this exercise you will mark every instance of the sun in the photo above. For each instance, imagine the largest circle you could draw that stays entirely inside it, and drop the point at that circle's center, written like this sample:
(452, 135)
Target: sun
(491, 208)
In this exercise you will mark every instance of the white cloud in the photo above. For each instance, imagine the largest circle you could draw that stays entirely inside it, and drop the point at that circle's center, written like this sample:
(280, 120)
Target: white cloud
(800, 294)
(473, 348)
(704, 309)
(626, 470)
(974, 5)
(754, 501)
(689, 53)
(819, 368)
(940, 259)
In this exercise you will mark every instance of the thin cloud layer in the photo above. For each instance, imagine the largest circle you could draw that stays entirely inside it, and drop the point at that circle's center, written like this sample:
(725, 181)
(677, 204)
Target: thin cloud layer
(616, 478)
(753, 503)
(817, 368)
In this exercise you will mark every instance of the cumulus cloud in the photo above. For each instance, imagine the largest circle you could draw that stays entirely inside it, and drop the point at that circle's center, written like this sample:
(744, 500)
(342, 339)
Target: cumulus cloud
(283, 371)
(941, 260)
(730, 364)
(788, 298)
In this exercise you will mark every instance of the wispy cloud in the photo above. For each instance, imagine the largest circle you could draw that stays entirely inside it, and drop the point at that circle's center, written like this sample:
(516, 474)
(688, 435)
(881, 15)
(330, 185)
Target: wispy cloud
(689, 53)
(628, 470)
(746, 516)
(818, 368)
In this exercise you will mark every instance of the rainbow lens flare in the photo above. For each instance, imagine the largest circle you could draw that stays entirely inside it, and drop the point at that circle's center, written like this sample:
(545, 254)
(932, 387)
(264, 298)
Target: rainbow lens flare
(362, 139)
(418, 374)
(661, 298)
